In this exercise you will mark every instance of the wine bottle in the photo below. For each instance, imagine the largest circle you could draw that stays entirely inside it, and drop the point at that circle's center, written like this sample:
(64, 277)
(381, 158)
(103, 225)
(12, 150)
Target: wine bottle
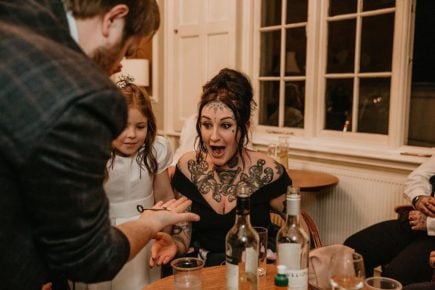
(293, 243)
(242, 246)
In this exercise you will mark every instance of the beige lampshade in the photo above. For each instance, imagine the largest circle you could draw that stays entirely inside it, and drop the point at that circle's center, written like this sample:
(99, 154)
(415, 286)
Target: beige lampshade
(138, 68)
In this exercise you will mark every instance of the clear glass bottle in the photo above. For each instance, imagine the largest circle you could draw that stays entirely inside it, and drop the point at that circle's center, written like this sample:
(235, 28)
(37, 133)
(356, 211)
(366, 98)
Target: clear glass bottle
(293, 243)
(242, 245)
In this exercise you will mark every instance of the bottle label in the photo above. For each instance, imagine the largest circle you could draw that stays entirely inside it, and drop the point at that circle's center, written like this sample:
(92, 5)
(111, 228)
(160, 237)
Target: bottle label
(232, 273)
(298, 279)
(289, 254)
(251, 260)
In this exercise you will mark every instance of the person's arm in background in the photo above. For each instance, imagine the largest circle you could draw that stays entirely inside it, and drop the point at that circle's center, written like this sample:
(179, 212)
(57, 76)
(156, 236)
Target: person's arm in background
(162, 188)
(162, 184)
(418, 189)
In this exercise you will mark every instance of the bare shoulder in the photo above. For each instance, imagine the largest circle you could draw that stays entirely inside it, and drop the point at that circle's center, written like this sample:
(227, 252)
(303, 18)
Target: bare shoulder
(263, 166)
(185, 160)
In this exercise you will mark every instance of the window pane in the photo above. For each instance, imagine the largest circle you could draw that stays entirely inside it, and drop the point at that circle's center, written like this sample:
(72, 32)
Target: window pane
(337, 7)
(341, 46)
(295, 51)
(297, 11)
(270, 53)
(339, 94)
(377, 4)
(374, 105)
(294, 104)
(421, 125)
(377, 43)
(269, 103)
(270, 12)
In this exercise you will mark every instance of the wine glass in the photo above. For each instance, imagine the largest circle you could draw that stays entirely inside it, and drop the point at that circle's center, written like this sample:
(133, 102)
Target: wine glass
(346, 271)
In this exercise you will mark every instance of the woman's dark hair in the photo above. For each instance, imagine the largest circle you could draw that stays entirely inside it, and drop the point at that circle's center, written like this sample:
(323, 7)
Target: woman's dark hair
(232, 88)
(137, 97)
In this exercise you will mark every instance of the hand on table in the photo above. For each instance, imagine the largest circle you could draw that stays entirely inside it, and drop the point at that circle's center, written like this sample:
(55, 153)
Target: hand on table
(162, 250)
(417, 220)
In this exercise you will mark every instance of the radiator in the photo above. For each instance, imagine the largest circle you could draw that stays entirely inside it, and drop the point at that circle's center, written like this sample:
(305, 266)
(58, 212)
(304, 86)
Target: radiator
(361, 198)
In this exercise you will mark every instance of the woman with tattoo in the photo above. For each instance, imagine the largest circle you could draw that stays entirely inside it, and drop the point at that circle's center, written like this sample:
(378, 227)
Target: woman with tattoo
(221, 160)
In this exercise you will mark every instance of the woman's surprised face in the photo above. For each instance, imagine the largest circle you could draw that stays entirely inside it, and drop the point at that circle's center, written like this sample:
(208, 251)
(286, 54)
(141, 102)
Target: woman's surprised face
(133, 137)
(219, 132)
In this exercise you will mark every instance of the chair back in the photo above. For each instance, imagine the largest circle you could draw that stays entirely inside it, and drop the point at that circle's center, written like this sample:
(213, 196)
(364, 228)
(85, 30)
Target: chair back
(307, 223)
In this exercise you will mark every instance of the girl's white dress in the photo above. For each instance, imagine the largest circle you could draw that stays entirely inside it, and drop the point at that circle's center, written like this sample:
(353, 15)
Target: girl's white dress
(127, 186)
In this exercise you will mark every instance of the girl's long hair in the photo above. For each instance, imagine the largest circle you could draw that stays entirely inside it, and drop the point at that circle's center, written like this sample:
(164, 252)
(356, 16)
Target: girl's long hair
(137, 97)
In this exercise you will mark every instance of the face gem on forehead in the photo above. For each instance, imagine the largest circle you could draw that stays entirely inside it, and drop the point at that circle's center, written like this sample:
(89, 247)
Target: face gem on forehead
(217, 105)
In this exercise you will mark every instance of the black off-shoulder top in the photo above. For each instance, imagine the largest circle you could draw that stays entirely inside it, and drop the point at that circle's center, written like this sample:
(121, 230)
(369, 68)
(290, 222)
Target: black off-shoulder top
(209, 233)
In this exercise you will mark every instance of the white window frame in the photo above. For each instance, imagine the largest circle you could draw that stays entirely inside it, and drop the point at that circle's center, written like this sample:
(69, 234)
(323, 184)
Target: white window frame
(313, 138)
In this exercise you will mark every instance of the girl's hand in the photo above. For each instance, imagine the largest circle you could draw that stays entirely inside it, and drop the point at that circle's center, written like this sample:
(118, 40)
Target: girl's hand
(163, 249)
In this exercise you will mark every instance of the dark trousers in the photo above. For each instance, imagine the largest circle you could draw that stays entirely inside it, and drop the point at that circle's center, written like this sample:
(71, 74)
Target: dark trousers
(420, 286)
(402, 252)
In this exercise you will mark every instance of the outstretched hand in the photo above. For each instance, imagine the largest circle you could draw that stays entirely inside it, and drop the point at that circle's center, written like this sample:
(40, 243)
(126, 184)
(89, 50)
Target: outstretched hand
(163, 249)
(170, 212)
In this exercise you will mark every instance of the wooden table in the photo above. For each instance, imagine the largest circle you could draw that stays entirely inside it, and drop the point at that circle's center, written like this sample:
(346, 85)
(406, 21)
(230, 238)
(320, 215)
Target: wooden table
(213, 278)
(310, 180)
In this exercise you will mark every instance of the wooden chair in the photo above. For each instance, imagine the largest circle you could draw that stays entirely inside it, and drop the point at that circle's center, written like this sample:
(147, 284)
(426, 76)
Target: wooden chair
(307, 223)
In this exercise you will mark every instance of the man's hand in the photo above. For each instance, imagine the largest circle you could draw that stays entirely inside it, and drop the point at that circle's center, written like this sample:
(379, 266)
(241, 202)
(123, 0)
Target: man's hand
(417, 220)
(163, 249)
(172, 212)
(426, 204)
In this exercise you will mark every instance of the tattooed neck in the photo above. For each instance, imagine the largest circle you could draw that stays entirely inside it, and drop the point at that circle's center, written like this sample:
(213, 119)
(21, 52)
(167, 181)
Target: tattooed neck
(223, 182)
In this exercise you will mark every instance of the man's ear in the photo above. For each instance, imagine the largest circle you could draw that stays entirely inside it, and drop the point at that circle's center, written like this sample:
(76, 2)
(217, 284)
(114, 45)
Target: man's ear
(117, 12)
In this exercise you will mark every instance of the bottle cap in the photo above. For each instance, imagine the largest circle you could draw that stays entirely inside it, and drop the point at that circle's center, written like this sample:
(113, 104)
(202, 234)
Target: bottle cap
(281, 278)
(281, 269)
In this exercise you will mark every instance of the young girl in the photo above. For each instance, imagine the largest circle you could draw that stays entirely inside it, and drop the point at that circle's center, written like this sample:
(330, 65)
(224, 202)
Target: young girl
(136, 175)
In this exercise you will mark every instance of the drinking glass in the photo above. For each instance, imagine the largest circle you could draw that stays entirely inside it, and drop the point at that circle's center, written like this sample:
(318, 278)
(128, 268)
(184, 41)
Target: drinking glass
(382, 283)
(283, 150)
(187, 273)
(262, 253)
(346, 271)
(272, 151)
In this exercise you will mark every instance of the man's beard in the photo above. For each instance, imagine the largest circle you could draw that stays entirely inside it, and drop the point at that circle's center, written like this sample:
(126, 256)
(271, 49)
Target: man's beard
(108, 58)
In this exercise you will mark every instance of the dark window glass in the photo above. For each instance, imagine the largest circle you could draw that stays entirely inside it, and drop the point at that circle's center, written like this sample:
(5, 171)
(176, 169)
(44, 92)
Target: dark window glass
(378, 4)
(338, 103)
(270, 53)
(374, 105)
(296, 46)
(294, 104)
(377, 43)
(297, 11)
(269, 103)
(341, 46)
(337, 7)
(421, 126)
(271, 12)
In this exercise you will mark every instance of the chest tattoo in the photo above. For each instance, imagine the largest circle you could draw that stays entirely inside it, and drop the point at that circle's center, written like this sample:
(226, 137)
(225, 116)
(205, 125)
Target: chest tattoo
(223, 182)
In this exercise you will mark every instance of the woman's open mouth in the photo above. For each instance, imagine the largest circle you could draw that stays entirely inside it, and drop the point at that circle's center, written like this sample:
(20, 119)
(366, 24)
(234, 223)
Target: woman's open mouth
(217, 151)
